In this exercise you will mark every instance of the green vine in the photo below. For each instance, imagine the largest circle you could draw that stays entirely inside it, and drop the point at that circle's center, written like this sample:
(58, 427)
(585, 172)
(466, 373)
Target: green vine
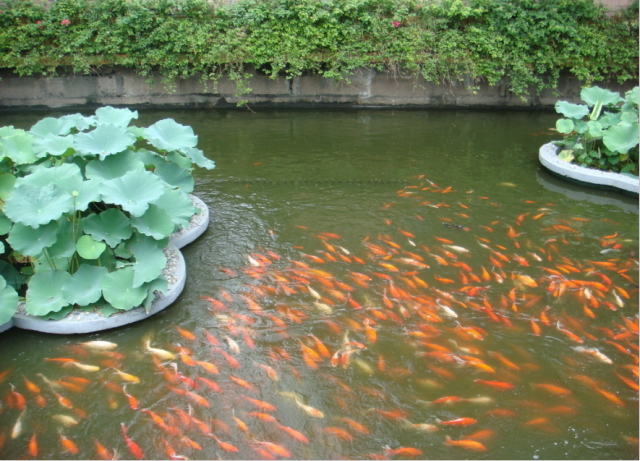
(523, 44)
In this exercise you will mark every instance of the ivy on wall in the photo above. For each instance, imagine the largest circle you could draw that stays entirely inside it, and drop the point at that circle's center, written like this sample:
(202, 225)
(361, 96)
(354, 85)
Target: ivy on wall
(524, 44)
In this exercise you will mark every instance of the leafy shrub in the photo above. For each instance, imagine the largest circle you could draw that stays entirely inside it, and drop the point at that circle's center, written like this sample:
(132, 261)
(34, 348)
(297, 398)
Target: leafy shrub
(86, 210)
(522, 44)
(603, 133)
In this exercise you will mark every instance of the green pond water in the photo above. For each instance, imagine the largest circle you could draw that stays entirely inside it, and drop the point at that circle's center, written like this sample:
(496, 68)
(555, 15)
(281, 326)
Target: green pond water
(475, 306)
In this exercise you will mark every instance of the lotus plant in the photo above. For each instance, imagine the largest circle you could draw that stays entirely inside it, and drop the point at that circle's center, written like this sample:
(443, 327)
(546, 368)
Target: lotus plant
(87, 205)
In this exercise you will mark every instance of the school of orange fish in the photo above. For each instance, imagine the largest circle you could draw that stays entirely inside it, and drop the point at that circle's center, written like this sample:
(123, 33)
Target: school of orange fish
(275, 372)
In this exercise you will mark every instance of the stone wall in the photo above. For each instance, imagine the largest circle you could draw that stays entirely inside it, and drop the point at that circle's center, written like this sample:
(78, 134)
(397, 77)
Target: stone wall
(367, 87)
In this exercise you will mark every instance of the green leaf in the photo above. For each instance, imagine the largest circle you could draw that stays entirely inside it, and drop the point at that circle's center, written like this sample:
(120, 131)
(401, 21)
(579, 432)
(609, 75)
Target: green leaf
(5, 224)
(44, 294)
(112, 226)
(169, 135)
(78, 121)
(19, 148)
(51, 126)
(104, 140)
(8, 302)
(591, 95)
(570, 110)
(29, 241)
(133, 192)
(178, 205)
(7, 184)
(180, 160)
(197, 156)
(595, 129)
(114, 166)
(621, 138)
(52, 145)
(118, 289)
(632, 96)
(150, 260)
(62, 313)
(65, 245)
(564, 125)
(119, 117)
(11, 275)
(34, 206)
(85, 286)
(566, 155)
(88, 248)
(175, 176)
(155, 222)
(150, 158)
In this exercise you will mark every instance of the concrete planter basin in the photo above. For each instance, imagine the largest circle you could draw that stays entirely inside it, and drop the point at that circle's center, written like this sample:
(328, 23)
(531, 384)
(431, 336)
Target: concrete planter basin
(548, 156)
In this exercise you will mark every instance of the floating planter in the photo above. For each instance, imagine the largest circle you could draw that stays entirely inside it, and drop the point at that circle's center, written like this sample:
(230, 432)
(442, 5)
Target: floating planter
(91, 220)
(548, 156)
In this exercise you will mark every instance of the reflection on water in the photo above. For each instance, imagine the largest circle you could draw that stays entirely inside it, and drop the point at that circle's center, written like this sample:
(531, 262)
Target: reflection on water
(378, 285)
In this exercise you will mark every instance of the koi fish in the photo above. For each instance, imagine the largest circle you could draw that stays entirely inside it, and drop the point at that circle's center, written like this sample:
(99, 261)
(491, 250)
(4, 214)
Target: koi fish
(133, 447)
(467, 444)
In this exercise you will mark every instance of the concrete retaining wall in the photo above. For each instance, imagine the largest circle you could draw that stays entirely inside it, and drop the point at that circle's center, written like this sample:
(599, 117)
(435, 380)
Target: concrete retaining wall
(367, 87)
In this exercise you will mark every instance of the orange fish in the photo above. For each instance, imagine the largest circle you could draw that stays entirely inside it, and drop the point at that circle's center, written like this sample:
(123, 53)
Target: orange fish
(498, 385)
(68, 445)
(465, 443)
(458, 422)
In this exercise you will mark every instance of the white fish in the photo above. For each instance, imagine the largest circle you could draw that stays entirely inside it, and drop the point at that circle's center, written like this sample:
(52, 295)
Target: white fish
(480, 400)
(100, 345)
(411, 242)
(17, 427)
(619, 300)
(65, 420)
(160, 353)
(309, 410)
(446, 310)
(364, 366)
(233, 345)
(252, 261)
(48, 382)
(314, 293)
(324, 308)
(595, 353)
(457, 249)
(81, 366)
(343, 249)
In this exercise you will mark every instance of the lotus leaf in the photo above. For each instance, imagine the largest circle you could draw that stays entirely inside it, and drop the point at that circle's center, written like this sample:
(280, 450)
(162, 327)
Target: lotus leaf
(150, 158)
(11, 275)
(79, 121)
(118, 289)
(159, 284)
(69, 178)
(155, 222)
(566, 155)
(633, 96)
(595, 129)
(114, 166)
(51, 125)
(62, 313)
(29, 241)
(65, 245)
(110, 115)
(44, 294)
(169, 135)
(5, 224)
(34, 206)
(175, 176)
(621, 138)
(104, 140)
(46, 263)
(150, 260)
(564, 125)
(52, 145)
(18, 148)
(178, 205)
(85, 286)
(112, 226)
(572, 110)
(197, 156)
(8, 301)
(88, 248)
(133, 192)
(7, 183)
(180, 160)
(591, 95)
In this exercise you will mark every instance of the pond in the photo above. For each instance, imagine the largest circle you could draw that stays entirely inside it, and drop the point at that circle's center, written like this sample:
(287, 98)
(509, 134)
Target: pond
(391, 284)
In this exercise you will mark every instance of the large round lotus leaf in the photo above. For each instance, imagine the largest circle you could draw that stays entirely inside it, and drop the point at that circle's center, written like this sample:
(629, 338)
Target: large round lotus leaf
(133, 192)
(564, 125)
(118, 289)
(595, 128)
(621, 138)
(50, 125)
(159, 284)
(78, 121)
(114, 166)
(104, 140)
(169, 135)
(180, 160)
(18, 148)
(85, 286)
(8, 302)
(150, 158)
(633, 96)
(88, 248)
(594, 94)
(5, 224)
(155, 223)
(67, 174)
(34, 206)
(572, 110)
(30, 241)
(11, 275)
(7, 183)
(65, 245)
(119, 117)
(112, 226)
(44, 294)
(178, 205)
(197, 156)
(175, 176)
(52, 145)
(45, 264)
(150, 260)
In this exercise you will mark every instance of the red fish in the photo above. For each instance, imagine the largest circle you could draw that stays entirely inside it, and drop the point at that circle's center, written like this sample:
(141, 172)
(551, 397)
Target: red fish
(133, 447)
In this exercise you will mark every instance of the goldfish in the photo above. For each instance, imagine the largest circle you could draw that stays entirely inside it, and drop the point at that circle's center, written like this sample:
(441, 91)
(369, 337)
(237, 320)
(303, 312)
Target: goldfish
(68, 445)
(402, 451)
(133, 447)
(467, 444)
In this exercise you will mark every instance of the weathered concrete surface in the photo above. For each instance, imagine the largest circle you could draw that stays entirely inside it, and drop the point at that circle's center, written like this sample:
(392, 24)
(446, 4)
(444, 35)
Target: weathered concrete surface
(366, 87)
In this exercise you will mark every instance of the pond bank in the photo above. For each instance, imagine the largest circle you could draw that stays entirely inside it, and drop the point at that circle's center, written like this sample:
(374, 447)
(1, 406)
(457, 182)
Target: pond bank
(367, 88)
